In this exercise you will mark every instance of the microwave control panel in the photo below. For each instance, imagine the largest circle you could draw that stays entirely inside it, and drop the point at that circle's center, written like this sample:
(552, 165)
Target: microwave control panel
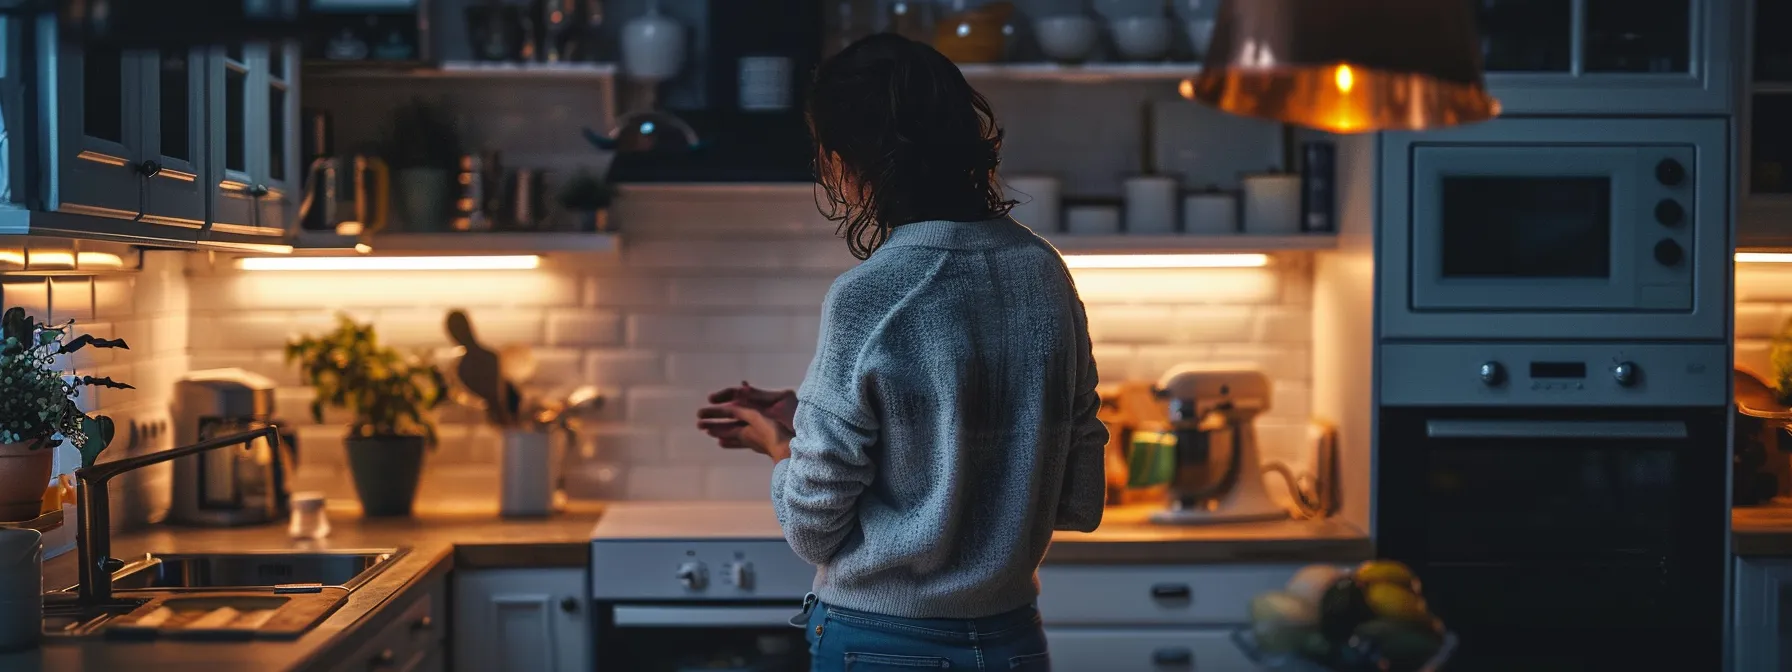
(1563, 374)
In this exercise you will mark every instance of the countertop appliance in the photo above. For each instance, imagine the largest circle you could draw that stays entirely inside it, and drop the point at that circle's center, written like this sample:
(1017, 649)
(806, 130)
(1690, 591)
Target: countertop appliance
(742, 94)
(696, 585)
(1563, 501)
(1557, 228)
(1218, 477)
(227, 487)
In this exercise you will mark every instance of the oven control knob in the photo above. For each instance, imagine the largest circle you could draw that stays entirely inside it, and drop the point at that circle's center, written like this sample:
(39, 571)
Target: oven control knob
(1669, 253)
(1492, 374)
(1669, 213)
(693, 576)
(741, 575)
(1624, 373)
(1670, 172)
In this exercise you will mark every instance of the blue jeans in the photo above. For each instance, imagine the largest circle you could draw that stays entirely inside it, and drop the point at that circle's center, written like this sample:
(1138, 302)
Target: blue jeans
(845, 640)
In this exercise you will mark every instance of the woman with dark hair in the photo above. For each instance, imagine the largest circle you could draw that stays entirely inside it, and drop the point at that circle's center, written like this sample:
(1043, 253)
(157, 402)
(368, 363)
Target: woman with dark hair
(947, 425)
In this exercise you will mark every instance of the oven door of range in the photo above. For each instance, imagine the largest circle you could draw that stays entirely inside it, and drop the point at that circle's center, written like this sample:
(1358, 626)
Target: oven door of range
(664, 637)
(1562, 521)
(1548, 228)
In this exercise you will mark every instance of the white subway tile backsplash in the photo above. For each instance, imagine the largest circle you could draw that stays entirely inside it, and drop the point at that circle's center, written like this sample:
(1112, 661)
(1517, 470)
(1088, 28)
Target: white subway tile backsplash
(257, 330)
(1759, 320)
(71, 299)
(633, 444)
(617, 290)
(1212, 324)
(794, 292)
(669, 407)
(1283, 324)
(584, 328)
(1129, 324)
(661, 331)
(664, 482)
(32, 294)
(713, 291)
(777, 370)
(113, 294)
(706, 370)
(612, 368)
(556, 368)
(738, 482)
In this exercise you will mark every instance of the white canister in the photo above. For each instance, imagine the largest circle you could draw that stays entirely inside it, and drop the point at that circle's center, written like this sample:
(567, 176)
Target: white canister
(1092, 220)
(1210, 213)
(1038, 204)
(527, 482)
(1150, 205)
(309, 519)
(21, 589)
(653, 46)
(1272, 204)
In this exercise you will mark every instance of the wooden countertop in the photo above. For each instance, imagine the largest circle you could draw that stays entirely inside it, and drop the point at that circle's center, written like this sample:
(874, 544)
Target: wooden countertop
(442, 541)
(438, 542)
(1761, 530)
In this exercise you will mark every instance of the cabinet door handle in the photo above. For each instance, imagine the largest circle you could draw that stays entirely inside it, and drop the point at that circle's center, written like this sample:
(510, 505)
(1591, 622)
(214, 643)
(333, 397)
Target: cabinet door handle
(258, 190)
(382, 659)
(422, 624)
(1171, 591)
(1173, 657)
(149, 168)
(569, 605)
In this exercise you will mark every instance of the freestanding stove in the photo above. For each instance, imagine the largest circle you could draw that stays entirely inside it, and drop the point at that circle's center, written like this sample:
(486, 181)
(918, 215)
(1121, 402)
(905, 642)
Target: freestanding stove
(681, 586)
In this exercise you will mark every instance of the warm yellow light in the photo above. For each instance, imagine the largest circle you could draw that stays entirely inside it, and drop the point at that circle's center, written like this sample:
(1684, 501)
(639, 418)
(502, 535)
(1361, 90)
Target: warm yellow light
(1344, 78)
(363, 248)
(92, 260)
(1187, 89)
(1166, 260)
(494, 263)
(1764, 257)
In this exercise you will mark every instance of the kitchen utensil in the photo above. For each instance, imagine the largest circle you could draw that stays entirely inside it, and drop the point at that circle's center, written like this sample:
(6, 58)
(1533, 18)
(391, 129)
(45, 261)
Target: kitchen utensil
(473, 209)
(1092, 220)
(1038, 203)
(653, 46)
(1211, 212)
(1141, 38)
(526, 487)
(975, 35)
(1318, 187)
(580, 408)
(1067, 39)
(1219, 474)
(373, 192)
(1150, 204)
(228, 487)
(480, 371)
(1272, 203)
(517, 363)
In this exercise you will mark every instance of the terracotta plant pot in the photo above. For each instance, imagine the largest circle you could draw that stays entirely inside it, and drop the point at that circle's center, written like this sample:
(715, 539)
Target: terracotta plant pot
(386, 470)
(24, 474)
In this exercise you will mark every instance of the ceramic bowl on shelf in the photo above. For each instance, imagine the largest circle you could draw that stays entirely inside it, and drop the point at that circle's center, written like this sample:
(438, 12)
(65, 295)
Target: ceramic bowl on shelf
(1141, 38)
(1069, 39)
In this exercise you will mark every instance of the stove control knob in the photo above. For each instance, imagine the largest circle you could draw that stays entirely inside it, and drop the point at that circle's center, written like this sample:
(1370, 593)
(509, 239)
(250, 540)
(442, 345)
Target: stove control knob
(1669, 253)
(693, 576)
(1624, 373)
(741, 575)
(1492, 374)
(1670, 173)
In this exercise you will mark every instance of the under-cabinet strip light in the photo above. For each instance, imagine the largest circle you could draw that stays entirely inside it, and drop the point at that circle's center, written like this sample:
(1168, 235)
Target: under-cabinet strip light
(521, 262)
(1764, 257)
(1166, 260)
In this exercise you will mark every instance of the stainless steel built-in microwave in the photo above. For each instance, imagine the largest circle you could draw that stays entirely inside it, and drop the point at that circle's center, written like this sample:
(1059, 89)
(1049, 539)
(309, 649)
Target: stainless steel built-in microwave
(1557, 228)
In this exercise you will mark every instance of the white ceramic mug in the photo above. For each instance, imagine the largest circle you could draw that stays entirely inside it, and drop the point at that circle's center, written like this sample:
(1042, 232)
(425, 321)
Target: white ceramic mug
(1272, 203)
(1067, 39)
(1038, 202)
(1141, 38)
(1150, 205)
(653, 46)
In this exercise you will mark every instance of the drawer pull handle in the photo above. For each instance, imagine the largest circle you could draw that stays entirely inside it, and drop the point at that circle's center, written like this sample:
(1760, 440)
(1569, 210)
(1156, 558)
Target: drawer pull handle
(1174, 657)
(382, 659)
(424, 623)
(1171, 591)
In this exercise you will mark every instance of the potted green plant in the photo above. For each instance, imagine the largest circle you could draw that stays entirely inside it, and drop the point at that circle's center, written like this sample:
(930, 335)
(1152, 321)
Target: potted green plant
(424, 151)
(390, 395)
(38, 411)
(588, 198)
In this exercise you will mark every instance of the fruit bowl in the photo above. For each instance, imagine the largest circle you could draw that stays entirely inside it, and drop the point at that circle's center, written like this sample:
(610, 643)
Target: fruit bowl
(1346, 659)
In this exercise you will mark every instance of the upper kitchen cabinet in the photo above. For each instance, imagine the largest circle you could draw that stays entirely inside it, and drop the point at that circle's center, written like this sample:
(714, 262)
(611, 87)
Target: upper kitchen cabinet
(1608, 56)
(253, 107)
(1765, 217)
(174, 142)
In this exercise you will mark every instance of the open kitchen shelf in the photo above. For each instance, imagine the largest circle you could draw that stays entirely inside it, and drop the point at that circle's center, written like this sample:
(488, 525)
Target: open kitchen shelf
(469, 70)
(1191, 244)
(483, 243)
(1090, 72)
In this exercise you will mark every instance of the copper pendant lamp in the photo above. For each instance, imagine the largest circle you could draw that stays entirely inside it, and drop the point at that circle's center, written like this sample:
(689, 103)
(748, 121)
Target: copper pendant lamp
(1346, 66)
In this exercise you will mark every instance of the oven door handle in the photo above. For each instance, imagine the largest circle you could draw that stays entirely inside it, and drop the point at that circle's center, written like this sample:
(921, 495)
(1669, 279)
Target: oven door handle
(704, 617)
(1555, 429)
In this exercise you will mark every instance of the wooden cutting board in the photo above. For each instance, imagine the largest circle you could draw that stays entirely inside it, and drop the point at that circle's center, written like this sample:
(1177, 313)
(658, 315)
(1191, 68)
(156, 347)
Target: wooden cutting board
(228, 616)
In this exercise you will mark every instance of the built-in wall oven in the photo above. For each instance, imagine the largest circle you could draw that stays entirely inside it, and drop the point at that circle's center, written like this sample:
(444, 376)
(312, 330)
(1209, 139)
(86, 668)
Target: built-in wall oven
(1556, 228)
(1565, 503)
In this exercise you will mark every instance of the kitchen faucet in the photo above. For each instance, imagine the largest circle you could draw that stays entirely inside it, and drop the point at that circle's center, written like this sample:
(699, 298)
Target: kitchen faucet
(93, 534)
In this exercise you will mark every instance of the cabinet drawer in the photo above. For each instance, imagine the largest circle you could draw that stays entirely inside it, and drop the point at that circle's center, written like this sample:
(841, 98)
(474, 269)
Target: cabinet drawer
(407, 641)
(1155, 594)
(1112, 650)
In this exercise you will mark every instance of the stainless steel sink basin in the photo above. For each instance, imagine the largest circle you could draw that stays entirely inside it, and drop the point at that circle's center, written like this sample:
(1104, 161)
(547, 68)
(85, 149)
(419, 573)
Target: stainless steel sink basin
(253, 569)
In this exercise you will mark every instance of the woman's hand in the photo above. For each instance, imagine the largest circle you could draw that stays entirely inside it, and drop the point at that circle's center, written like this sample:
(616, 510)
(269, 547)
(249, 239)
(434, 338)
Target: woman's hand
(736, 426)
(779, 405)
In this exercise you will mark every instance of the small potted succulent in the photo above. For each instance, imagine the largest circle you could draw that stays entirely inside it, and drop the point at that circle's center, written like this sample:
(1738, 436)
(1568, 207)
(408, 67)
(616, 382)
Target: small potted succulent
(390, 395)
(587, 197)
(38, 410)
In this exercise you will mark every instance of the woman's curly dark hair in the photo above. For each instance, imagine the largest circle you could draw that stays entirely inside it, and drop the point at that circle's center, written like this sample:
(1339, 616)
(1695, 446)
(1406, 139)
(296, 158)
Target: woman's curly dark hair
(909, 133)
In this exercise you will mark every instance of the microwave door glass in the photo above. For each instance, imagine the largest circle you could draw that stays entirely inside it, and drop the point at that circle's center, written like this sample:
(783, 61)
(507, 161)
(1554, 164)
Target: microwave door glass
(1517, 228)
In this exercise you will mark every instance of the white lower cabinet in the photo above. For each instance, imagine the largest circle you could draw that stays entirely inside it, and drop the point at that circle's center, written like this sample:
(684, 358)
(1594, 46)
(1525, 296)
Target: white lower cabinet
(1138, 650)
(1763, 623)
(522, 619)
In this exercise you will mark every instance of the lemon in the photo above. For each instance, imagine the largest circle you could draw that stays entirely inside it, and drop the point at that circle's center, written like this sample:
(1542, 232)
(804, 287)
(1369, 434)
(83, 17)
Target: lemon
(1395, 601)
(1386, 571)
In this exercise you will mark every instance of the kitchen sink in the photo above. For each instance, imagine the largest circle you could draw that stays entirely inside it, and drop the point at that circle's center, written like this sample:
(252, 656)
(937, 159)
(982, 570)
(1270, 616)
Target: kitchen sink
(253, 569)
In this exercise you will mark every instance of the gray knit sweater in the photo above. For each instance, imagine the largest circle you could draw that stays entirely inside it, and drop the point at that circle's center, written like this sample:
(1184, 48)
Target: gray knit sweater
(946, 427)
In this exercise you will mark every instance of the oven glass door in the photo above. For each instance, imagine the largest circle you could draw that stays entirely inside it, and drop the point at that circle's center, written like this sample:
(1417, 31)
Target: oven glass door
(689, 638)
(1555, 539)
(1535, 228)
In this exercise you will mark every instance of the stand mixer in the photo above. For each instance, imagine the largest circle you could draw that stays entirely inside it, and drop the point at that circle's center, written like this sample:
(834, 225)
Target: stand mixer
(1218, 476)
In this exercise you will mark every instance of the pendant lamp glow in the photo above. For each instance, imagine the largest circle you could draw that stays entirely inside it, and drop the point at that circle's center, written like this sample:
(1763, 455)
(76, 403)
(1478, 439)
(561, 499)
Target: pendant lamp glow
(1347, 66)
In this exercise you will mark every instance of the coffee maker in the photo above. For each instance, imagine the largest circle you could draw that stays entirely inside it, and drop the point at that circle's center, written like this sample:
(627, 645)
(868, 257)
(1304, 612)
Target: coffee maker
(1218, 474)
(231, 487)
